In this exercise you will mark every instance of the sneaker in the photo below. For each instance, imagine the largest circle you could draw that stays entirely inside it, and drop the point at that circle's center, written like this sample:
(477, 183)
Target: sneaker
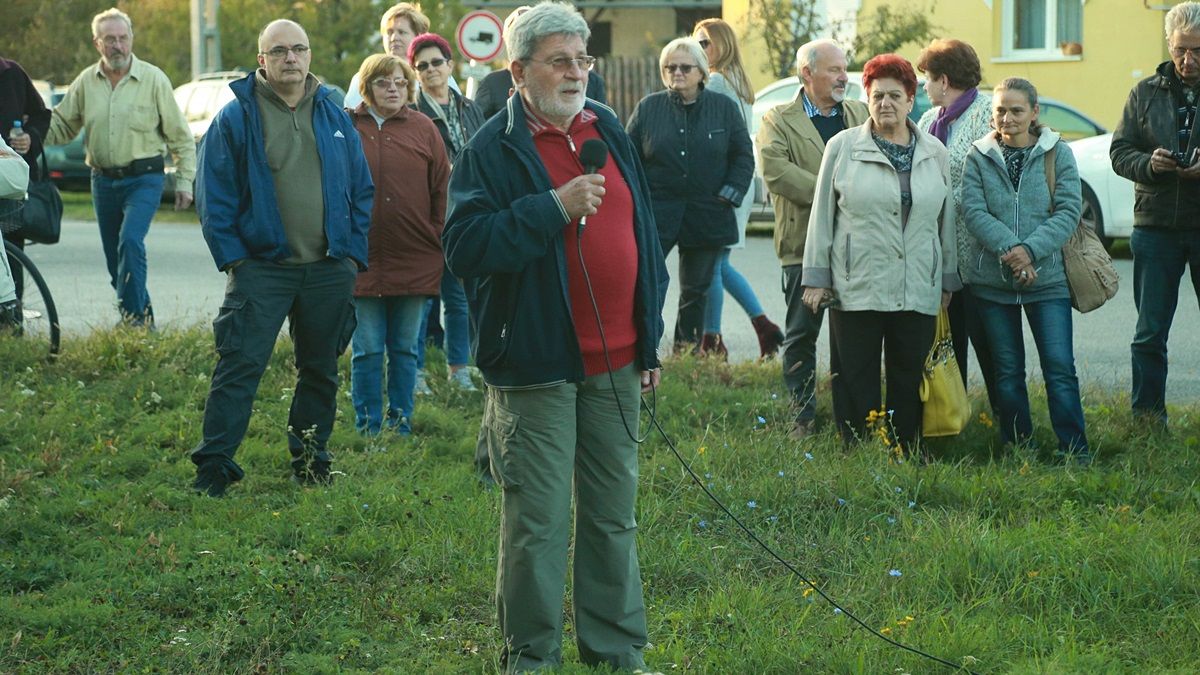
(211, 480)
(398, 423)
(421, 388)
(461, 378)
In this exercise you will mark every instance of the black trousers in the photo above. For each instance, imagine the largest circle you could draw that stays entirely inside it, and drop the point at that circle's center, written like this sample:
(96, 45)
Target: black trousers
(317, 300)
(858, 337)
(966, 326)
(800, 346)
(695, 276)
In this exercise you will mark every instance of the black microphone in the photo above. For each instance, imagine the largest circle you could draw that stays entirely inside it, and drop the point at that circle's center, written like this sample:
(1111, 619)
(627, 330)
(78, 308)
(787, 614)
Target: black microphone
(593, 157)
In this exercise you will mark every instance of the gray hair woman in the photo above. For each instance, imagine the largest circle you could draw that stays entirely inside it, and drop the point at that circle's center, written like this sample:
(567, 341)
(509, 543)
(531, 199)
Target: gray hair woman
(699, 161)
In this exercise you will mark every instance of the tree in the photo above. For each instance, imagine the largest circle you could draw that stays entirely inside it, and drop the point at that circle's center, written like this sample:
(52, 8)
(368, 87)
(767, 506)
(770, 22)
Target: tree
(888, 29)
(784, 25)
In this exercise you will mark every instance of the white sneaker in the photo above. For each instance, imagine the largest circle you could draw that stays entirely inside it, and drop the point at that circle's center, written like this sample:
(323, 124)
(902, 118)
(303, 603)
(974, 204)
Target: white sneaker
(461, 378)
(421, 388)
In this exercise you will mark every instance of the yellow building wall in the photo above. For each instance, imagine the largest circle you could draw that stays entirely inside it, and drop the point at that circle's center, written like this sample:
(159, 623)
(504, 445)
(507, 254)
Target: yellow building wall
(1122, 43)
(640, 32)
(755, 58)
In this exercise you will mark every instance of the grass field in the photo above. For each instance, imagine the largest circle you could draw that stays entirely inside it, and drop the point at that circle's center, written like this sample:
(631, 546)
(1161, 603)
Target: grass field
(1000, 560)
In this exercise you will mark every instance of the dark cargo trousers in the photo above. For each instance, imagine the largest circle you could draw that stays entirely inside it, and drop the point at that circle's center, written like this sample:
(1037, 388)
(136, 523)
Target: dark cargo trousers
(316, 299)
(542, 441)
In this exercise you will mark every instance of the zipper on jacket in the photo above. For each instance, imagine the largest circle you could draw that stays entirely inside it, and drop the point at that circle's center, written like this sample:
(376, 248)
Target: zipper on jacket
(936, 262)
(848, 257)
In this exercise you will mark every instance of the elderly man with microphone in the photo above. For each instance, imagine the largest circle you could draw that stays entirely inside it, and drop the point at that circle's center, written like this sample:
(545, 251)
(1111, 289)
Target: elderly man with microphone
(568, 317)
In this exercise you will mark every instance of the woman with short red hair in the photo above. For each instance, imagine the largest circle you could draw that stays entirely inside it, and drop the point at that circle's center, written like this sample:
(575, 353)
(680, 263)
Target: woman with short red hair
(881, 254)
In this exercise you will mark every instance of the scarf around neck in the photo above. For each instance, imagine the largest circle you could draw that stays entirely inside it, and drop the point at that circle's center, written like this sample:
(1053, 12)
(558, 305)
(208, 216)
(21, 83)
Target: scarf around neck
(941, 126)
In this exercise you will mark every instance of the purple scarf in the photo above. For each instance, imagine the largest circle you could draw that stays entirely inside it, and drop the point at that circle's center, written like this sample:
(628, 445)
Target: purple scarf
(941, 125)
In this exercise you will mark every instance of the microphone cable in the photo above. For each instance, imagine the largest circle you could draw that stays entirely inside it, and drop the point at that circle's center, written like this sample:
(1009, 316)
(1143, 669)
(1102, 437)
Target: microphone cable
(654, 424)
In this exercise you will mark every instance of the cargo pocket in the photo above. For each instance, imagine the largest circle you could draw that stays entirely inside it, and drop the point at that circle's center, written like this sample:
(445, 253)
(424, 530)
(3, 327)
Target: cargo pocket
(229, 325)
(503, 448)
(348, 326)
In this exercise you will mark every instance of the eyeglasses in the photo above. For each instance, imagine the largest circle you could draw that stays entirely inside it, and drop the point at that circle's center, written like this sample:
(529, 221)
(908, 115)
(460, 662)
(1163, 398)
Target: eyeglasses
(684, 68)
(433, 63)
(110, 40)
(704, 43)
(387, 83)
(563, 63)
(1180, 52)
(282, 52)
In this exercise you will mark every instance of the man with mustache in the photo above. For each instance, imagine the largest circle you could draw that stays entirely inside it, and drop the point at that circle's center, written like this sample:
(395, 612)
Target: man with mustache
(562, 395)
(791, 142)
(128, 110)
(285, 197)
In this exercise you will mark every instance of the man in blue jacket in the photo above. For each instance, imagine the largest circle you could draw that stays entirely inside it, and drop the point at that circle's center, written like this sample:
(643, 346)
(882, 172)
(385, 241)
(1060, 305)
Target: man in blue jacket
(562, 397)
(284, 196)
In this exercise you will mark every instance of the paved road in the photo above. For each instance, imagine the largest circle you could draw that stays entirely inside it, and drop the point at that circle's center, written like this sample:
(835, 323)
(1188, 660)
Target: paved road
(187, 290)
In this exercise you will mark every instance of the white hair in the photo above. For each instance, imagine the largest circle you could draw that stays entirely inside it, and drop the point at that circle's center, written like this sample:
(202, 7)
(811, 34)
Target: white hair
(684, 44)
(110, 15)
(544, 20)
(1184, 17)
(806, 55)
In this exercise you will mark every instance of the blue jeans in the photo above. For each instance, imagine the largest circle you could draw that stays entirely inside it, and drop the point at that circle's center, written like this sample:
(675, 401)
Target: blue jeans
(457, 324)
(726, 278)
(385, 326)
(1159, 257)
(1050, 323)
(124, 209)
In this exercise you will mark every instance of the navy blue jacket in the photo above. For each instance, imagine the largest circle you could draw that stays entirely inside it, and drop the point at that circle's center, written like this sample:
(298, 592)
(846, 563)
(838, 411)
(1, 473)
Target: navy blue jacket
(504, 238)
(235, 192)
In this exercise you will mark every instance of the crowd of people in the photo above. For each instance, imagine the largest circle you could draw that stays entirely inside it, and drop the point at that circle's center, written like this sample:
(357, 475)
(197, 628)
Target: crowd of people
(550, 270)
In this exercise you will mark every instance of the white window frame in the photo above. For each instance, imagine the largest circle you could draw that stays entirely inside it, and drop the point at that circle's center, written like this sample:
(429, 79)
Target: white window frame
(1052, 52)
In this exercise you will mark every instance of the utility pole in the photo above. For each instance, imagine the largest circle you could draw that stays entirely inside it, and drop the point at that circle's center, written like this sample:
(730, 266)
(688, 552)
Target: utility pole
(206, 37)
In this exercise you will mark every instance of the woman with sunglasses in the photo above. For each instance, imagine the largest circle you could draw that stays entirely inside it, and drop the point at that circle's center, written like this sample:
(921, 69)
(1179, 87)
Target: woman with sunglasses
(457, 118)
(404, 249)
(699, 161)
(727, 76)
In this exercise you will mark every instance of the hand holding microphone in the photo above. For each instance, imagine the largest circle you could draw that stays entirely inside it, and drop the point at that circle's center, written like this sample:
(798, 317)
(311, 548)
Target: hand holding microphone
(581, 196)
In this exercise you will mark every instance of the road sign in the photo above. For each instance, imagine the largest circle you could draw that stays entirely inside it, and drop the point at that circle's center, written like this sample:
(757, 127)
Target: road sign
(480, 35)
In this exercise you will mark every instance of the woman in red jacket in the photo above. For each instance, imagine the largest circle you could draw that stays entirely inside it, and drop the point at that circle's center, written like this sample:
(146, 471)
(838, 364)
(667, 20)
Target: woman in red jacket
(404, 260)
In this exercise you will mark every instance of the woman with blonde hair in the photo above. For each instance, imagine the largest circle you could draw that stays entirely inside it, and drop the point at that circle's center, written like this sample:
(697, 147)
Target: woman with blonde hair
(727, 76)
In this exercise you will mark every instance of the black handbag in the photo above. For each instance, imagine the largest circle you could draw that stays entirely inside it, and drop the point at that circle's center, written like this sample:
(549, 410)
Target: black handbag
(42, 215)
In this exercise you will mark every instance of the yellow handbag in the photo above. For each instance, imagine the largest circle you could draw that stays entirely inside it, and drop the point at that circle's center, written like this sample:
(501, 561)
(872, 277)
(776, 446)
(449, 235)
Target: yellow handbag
(947, 409)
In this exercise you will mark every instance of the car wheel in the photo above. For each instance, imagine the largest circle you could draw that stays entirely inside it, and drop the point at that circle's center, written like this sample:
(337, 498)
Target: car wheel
(1093, 216)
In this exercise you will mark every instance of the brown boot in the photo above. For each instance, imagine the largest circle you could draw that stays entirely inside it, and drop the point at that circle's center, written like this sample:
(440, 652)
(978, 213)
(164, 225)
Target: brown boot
(770, 338)
(711, 344)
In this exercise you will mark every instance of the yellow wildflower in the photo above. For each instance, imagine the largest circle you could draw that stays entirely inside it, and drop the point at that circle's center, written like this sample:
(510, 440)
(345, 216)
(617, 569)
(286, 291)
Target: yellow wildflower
(1032, 574)
(885, 630)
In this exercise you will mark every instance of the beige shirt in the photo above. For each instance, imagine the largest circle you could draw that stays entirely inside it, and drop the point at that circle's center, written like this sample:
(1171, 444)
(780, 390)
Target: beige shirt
(133, 120)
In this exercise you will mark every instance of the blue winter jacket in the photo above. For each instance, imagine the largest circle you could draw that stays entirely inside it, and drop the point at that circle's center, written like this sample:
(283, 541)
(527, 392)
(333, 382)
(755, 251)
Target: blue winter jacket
(504, 238)
(235, 192)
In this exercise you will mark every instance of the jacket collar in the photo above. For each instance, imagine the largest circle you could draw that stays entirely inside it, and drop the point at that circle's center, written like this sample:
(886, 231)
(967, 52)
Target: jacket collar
(926, 145)
(989, 145)
(243, 89)
(137, 68)
(795, 116)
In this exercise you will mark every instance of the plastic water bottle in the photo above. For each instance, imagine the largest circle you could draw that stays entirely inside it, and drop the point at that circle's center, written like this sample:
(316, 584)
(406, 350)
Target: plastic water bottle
(17, 132)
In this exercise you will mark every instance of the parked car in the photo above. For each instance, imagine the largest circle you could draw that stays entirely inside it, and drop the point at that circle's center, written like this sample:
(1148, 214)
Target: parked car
(1107, 197)
(1073, 124)
(65, 162)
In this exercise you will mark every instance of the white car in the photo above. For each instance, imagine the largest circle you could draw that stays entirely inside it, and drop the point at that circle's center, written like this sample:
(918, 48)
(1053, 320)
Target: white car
(1107, 197)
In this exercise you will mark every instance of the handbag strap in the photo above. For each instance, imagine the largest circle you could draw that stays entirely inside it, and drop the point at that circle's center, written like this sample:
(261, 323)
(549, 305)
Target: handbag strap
(44, 169)
(1050, 180)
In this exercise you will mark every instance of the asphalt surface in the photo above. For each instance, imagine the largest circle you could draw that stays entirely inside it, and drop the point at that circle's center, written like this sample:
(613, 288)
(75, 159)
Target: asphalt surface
(186, 290)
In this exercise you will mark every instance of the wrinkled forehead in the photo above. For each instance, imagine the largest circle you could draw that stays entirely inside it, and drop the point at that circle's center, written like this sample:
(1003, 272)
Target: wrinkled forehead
(116, 27)
(569, 44)
(282, 35)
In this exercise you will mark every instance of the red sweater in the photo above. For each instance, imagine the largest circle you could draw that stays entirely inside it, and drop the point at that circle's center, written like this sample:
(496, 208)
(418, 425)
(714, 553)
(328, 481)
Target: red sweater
(609, 248)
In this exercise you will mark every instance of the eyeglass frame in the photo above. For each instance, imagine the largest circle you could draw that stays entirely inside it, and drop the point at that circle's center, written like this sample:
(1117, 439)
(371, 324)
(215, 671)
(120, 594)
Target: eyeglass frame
(1184, 52)
(400, 83)
(683, 68)
(299, 50)
(111, 40)
(562, 64)
(431, 63)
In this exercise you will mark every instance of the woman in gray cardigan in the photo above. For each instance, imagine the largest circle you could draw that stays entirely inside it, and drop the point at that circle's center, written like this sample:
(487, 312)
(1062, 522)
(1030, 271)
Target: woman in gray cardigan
(1016, 262)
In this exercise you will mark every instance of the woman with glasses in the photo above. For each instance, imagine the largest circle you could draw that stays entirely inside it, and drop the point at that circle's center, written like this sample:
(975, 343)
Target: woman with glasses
(696, 151)
(457, 119)
(1019, 225)
(727, 76)
(404, 258)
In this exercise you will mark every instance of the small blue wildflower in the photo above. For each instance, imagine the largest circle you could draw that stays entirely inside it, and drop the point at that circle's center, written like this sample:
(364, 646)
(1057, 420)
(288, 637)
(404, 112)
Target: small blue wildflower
(773, 518)
(761, 419)
(703, 524)
(898, 490)
(808, 456)
(891, 520)
(708, 475)
(781, 474)
(366, 506)
(911, 504)
(837, 610)
(710, 486)
(752, 504)
(774, 396)
(841, 502)
(894, 573)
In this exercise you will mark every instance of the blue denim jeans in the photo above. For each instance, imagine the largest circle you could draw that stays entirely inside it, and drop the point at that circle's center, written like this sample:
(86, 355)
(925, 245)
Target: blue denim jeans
(456, 322)
(124, 209)
(1050, 323)
(386, 326)
(726, 278)
(1159, 258)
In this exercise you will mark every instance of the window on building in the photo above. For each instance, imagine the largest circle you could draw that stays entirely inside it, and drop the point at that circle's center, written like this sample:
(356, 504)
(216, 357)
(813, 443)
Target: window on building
(600, 43)
(1042, 25)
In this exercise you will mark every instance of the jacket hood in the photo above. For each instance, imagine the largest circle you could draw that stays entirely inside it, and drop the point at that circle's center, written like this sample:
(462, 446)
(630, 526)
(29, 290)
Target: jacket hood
(1165, 72)
(5, 64)
(990, 144)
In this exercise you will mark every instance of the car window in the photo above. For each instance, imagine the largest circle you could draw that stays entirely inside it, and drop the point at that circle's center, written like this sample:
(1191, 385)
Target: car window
(1071, 125)
(784, 93)
(200, 103)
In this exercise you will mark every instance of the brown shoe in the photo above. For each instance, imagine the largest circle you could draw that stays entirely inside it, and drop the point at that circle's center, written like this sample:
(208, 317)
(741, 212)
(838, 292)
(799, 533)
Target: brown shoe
(800, 431)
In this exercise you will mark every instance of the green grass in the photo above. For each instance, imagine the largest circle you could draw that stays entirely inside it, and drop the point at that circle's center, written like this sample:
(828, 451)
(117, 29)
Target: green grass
(109, 564)
(78, 206)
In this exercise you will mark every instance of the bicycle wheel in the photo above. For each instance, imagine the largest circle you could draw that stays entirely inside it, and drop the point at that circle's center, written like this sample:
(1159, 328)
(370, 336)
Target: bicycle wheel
(41, 318)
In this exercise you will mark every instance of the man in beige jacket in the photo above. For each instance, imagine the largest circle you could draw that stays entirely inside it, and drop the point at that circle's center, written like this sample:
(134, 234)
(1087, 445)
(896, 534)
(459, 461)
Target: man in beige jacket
(791, 142)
